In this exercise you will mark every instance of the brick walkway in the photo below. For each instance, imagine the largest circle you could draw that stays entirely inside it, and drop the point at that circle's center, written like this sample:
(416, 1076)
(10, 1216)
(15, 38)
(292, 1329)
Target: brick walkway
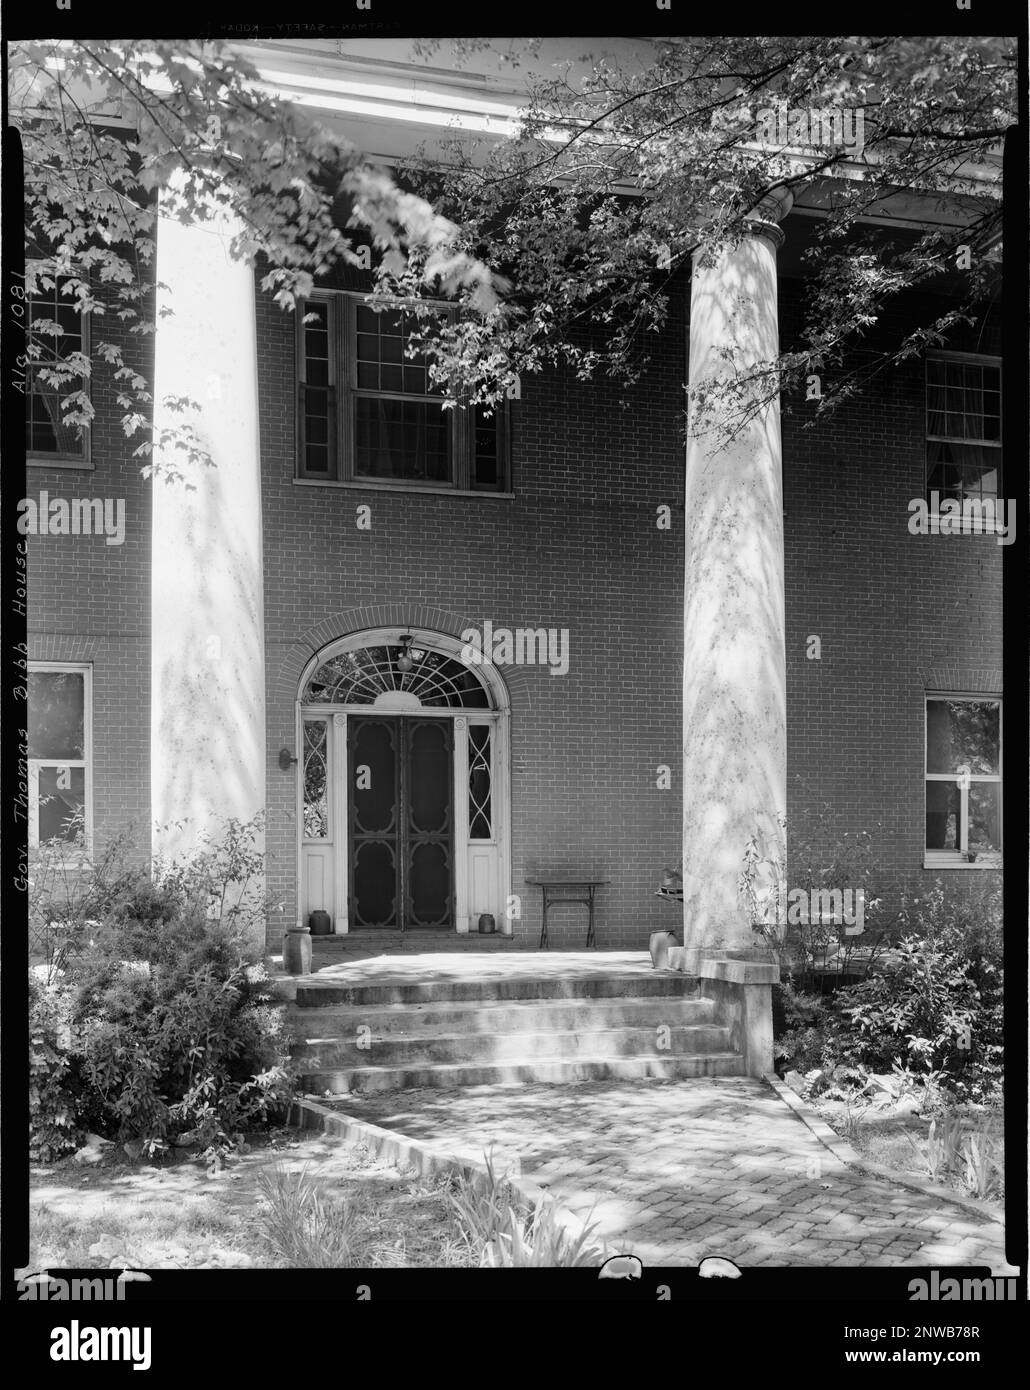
(678, 1170)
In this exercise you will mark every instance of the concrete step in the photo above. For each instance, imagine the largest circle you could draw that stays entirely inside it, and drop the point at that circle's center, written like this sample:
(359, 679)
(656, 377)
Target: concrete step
(325, 991)
(390, 943)
(427, 1049)
(517, 1016)
(539, 1070)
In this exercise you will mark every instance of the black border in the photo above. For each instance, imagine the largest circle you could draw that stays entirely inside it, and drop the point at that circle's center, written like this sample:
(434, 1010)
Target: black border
(856, 1287)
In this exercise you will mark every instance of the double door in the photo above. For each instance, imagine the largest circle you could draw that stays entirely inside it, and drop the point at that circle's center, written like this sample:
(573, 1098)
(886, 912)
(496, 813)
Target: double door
(400, 821)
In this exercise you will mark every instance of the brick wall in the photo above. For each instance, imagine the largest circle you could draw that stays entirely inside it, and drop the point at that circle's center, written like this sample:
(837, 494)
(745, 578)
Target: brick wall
(897, 614)
(577, 547)
(90, 602)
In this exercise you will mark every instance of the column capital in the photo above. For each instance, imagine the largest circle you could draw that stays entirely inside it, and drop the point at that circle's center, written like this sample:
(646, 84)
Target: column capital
(765, 217)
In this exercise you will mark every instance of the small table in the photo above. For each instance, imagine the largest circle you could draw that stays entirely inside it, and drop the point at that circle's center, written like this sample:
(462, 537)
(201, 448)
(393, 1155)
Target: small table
(557, 890)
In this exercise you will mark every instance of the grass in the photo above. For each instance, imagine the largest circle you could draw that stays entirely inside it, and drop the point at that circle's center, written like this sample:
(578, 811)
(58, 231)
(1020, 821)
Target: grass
(501, 1233)
(294, 1201)
(61, 1241)
(176, 1214)
(961, 1149)
(305, 1227)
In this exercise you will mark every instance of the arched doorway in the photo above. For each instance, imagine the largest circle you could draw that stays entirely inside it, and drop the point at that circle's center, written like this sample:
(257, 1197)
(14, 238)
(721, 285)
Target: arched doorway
(403, 794)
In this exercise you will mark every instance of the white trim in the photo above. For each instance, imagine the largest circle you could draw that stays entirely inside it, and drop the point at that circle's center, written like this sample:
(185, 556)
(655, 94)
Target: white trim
(85, 669)
(497, 717)
(340, 784)
(298, 809)
(401, 486)
(440, 642)
(956, 858)
(461, 825)
(946, 355)
(958, 863)
(992, 527)
(54, 461)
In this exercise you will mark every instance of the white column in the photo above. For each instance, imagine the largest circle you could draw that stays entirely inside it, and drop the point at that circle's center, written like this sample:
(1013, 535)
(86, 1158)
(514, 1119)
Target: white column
(734, 676)
(207, 665)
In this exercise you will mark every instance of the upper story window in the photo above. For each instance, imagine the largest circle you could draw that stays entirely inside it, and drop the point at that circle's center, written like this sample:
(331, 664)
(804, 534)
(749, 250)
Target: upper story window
(59, 753)
(963, 427)
(963, 780)
(48, 438)
(367, 412)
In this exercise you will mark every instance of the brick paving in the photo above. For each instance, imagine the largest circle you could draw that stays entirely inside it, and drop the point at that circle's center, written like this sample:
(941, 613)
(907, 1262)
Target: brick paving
(673, 1171)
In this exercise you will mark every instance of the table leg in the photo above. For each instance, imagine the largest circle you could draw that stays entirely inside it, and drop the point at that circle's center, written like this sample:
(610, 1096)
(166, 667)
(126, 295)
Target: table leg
(590, 919)
(543, 929)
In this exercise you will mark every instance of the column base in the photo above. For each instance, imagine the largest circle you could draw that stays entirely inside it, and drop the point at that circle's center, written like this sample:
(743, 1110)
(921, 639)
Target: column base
(692, 959)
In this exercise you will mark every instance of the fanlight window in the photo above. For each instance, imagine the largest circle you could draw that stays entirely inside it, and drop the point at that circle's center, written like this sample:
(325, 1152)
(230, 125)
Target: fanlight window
(360, 677)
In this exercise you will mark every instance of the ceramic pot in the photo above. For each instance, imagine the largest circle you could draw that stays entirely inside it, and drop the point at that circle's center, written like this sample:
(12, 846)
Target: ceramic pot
(659, 947)
(297, 951)
(320, 923)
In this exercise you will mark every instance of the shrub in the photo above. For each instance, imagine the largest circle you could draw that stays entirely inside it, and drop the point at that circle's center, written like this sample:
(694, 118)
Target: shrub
(934, 1004)
(803, 1040)
(171, 1033)
(502, 1234)
(180, 1040)
(300, 1227)
(54, 1127)
(70, 894)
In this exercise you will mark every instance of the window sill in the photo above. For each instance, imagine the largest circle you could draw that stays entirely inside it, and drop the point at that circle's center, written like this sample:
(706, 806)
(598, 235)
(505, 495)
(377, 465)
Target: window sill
(959, 862)
(77, 861)
(54, 461)
(957, 526)
(368, 486)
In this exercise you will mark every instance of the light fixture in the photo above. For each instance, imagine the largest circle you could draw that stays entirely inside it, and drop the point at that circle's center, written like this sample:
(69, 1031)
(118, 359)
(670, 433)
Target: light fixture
(286, 759)
(405, 662)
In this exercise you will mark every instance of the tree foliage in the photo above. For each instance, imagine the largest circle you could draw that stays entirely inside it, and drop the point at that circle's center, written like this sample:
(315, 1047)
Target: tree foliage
(112, 131)
(616, 175)
(621, 172)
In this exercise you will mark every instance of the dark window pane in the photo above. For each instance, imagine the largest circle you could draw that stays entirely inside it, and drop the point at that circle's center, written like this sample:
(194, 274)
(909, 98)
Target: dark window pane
(960, 470)
(360, 677)
(56, 714)
(984, 818)
(401, 439)
(45, 429)
(316, 798)
(316, 407)
(963, 736)
(391, 348)
(963, 400)
(486, 446)
(943, 808)
(62, 796)
(381, 354)
(479, 782)
(316, 429)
